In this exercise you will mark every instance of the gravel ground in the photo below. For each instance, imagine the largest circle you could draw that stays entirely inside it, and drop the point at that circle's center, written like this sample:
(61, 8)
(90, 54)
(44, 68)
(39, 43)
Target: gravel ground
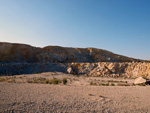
(45, 98)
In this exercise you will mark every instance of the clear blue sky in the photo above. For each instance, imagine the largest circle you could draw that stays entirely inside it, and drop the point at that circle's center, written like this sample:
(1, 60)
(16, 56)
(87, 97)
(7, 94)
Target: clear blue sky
(120, 26)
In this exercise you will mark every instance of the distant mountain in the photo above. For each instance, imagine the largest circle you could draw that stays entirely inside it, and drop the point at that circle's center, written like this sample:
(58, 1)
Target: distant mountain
(12, 52)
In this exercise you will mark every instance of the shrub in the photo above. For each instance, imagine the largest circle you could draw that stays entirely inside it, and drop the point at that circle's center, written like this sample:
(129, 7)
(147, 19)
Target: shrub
(46, 81)
(100, 96)
(112, 84)
(20, 77)
(103, 84)
(90, 94)
(55, 81)
(64, 81)
(143, 84)
(91, 83)
(123, 84)
(2, 79)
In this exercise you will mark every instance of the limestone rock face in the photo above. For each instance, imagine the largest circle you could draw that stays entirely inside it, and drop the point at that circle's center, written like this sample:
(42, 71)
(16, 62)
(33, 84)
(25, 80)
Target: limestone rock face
(140, 80)
(17, 53)
(10, 52)
(21, 58)
(107, 69)
(128, 70)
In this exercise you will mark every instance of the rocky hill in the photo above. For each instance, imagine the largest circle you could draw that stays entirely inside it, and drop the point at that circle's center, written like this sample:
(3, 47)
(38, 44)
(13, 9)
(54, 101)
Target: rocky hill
(25, 59)
(10, 52)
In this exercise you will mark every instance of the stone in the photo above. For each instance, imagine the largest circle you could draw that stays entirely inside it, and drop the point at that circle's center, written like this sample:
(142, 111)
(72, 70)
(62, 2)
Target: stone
(140, 80)
(69, 70)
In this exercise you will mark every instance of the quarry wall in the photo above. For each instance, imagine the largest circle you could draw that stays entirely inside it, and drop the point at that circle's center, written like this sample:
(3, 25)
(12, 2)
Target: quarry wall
(107, 69)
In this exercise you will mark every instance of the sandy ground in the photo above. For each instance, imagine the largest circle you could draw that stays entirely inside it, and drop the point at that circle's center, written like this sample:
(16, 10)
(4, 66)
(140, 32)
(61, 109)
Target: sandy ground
(76, 98)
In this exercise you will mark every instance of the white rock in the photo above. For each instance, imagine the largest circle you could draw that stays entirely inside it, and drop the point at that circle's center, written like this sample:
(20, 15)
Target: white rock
(69, 70)
(139, 80)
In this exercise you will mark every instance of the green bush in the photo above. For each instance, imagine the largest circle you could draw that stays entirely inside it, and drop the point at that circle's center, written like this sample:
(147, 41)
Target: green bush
(112, 84)
(55, 81)
(103, 84)
(91, 83)
(64, 81)
(46, 81)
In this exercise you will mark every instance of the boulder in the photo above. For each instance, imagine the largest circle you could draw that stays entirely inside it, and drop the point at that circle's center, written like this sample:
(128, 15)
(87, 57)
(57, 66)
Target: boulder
(69, 70)
(140, 80)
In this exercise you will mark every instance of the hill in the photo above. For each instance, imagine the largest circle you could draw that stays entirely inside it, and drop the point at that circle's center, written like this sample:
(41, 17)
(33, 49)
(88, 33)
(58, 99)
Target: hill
(12, 52)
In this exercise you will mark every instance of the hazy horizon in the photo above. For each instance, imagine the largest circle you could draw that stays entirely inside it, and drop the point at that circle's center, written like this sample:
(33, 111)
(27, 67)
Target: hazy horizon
(122, 27)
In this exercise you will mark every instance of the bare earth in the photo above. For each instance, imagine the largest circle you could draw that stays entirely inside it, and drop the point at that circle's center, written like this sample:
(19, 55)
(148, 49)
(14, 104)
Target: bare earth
(75, 97)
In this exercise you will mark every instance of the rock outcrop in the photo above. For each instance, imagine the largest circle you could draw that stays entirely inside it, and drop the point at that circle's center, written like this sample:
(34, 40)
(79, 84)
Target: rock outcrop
(25, 59)
(10, 52)
(140, 80)
(103, 69)
(125, 69)
(69, 70)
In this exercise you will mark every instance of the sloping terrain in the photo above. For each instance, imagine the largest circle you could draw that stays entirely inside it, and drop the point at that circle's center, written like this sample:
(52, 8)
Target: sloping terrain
(10, 52)
(25, 59)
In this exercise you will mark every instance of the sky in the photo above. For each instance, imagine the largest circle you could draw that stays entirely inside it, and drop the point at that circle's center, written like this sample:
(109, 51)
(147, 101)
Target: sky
(119, 26)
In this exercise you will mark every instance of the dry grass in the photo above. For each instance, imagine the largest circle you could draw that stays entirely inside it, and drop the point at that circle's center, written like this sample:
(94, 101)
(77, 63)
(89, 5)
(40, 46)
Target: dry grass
(2, 79)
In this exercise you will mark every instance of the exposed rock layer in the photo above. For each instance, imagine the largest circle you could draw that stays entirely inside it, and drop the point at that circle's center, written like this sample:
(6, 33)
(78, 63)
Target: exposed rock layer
(128, 70)
(25, 59)
(53, 54)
